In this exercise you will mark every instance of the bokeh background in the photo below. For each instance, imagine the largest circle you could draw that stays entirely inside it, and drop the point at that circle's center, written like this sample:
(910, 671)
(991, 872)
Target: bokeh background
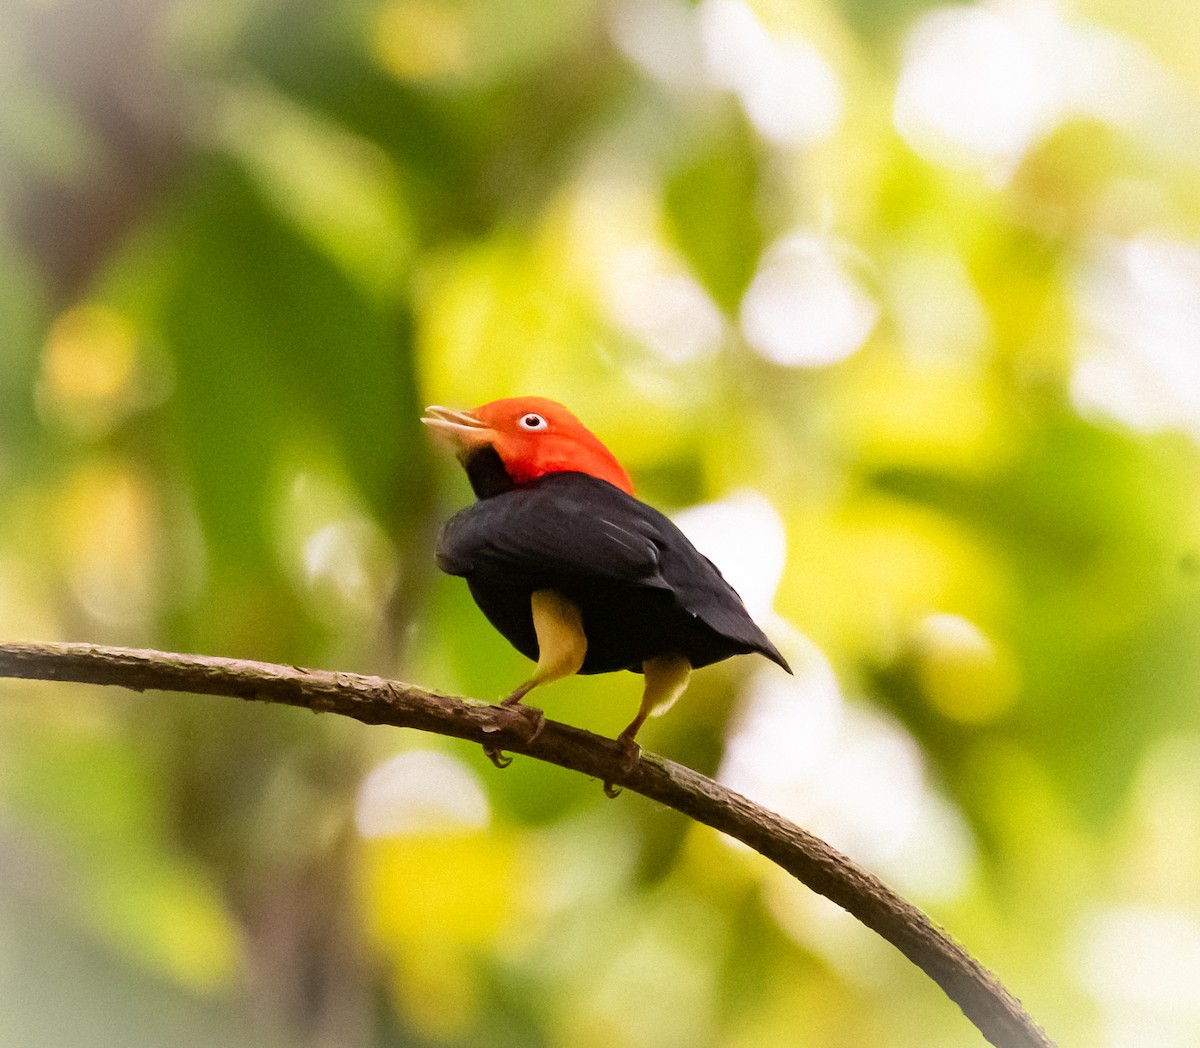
(893, 305)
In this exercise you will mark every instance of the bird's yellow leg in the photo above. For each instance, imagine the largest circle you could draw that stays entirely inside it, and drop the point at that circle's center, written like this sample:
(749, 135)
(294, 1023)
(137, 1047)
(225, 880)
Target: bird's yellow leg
(562, 644)
(666, 679)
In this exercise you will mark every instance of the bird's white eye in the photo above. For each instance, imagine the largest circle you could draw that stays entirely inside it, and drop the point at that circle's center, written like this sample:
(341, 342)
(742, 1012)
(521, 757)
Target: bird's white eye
(531, 422)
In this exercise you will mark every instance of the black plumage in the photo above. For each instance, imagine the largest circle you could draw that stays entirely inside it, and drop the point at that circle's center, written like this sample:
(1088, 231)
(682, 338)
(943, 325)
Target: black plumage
(643, 589)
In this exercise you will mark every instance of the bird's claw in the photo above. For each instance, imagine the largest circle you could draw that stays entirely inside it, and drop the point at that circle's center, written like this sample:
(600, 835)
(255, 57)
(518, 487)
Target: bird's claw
(631, 753)
(497, 756)
(533, 722)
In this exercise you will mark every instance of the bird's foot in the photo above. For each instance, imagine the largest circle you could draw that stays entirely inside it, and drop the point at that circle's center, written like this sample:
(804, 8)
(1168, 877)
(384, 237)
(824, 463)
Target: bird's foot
(631, 753)
(497, 756)
(530, 726)
(535, 721)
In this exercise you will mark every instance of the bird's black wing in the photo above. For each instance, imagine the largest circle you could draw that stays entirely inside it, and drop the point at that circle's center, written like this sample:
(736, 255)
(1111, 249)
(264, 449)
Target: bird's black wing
(570, 526)
(566, 525)
(701, 589)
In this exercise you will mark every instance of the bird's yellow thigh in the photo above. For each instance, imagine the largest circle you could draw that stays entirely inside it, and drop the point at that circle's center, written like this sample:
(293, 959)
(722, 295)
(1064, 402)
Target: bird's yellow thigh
(666, 679)
(562, 644)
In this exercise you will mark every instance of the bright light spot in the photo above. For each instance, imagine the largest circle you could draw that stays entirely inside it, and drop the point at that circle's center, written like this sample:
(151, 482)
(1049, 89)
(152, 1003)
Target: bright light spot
(1139, 307)
(111, 528)
(962, 672)
(346, 557)
(1167, 819)
(1143, 957)
(1114, 78)
(973, 91)
(789, 91)
(787, 88)
(661, 305)
(422, 40)
(804, 306)
(422, 791)
(847, 774)
(94, 374)
(89, 354)
(1117, 387)
(936, 860)
(981, 84)
(784, 730)
(869, 798)
(952, 633)
(338, 555)
(662, 37)
(744, 536)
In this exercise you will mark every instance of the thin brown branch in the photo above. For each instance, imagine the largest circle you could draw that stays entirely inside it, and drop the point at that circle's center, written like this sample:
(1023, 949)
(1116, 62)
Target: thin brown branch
(373, 700)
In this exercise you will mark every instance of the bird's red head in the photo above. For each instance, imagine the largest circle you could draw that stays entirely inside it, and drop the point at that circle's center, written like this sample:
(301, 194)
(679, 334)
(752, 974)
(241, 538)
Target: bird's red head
(532, 436)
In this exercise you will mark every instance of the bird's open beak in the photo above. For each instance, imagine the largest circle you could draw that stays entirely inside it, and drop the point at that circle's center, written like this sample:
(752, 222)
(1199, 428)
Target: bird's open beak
(461, 428)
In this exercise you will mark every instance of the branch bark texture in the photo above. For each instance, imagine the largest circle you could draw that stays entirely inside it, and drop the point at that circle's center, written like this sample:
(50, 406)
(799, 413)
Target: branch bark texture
(374, 700)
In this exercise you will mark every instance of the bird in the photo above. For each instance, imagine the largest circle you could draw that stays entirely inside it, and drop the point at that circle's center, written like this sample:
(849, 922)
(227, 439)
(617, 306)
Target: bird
(575, 571)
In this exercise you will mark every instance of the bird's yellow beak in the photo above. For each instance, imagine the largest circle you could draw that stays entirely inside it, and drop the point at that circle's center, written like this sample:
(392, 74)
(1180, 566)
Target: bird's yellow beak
(461, 428)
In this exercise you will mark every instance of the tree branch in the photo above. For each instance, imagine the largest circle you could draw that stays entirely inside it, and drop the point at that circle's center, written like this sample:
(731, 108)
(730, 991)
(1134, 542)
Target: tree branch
(373, 700)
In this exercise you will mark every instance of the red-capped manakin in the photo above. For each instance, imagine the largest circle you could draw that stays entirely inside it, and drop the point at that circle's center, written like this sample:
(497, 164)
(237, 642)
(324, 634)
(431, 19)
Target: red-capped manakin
(572, 569)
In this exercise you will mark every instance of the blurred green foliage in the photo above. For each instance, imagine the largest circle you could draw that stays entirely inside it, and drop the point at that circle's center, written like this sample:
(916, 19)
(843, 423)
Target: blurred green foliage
(910, 292)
